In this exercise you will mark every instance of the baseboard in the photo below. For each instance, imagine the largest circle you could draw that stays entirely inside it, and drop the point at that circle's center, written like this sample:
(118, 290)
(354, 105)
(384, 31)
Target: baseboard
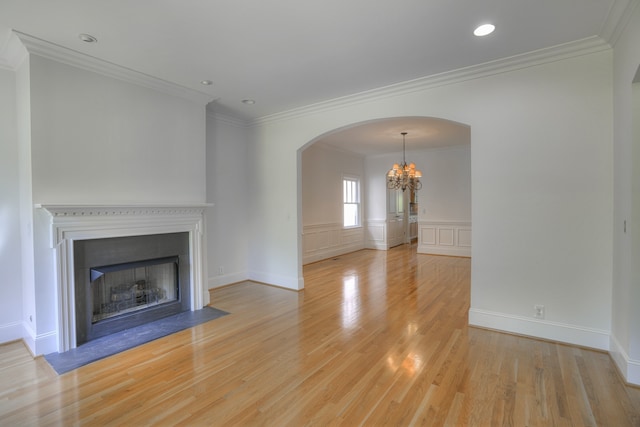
(379, 246)
(11, 332)
(629, 368)
(333, 252)
(554, 331)
(295, 283)
(227, 279)
(461, 252)
(40, 344)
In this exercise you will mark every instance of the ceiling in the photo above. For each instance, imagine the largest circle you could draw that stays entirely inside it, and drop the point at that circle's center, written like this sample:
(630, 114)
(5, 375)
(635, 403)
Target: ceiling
(287, 54)
(384, 136)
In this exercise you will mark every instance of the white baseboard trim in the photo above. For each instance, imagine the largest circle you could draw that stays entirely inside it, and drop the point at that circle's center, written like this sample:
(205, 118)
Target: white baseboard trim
(554, 331)
(331, 253)
(379, 246)
(40, 344)
(227, 279)
(629, 368)
(462, 252)
(295, 283)
(11, 332)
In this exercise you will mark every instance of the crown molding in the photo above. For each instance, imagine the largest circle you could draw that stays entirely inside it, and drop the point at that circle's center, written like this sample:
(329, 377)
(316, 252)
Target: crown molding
(617, 19)
(80, 60)
(230, 120)
(516, 62)
(12, 52)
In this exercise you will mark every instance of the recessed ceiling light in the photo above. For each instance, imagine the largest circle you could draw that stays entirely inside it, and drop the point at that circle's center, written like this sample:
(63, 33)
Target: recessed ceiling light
(206, 82)
(484, 30)
(87, 38)
(248, 101)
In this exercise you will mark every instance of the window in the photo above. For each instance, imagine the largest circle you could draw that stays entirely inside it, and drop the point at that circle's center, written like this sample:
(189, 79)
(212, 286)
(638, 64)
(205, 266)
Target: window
(351, 199)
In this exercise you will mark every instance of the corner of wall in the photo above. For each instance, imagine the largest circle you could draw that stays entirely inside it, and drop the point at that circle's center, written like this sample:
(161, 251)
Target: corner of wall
(12, 51)
(227, 279)
(629, 368)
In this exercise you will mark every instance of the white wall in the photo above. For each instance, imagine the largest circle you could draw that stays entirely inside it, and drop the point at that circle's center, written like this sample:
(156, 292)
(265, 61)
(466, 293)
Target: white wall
(323, 168)
(541, 152)
(446, 183)
(91, 139)
(228, 190)
(625, 336)
(446, 191)
(23, 112)
(444, 203)
(96, 139)
(10, 247)
(273, 223)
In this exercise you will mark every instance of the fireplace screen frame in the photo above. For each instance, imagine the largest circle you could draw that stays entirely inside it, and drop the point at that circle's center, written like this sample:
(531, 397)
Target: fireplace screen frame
(134, 292)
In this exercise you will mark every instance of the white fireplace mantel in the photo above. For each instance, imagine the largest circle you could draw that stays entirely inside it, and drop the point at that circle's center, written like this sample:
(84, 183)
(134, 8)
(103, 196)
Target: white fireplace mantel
(82, 222)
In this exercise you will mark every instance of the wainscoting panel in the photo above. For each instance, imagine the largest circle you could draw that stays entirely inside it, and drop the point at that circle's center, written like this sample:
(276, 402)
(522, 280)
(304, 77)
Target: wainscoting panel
(464, 238)
(324, 241)
(377, 234)
(427, 235)
(444, 238)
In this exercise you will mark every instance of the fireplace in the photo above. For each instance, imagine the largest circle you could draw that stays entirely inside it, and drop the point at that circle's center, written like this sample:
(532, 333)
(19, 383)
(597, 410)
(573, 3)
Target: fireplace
(95, 245)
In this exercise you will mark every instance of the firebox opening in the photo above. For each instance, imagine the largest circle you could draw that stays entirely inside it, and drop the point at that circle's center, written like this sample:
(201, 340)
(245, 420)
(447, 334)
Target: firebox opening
(120, 289)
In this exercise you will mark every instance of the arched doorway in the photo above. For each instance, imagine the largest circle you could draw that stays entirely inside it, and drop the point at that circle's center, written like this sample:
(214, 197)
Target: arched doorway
(364, 152)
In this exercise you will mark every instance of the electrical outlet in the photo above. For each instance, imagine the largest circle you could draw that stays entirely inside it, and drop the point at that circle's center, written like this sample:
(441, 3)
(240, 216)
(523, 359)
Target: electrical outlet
(220, 271)
(538, 311)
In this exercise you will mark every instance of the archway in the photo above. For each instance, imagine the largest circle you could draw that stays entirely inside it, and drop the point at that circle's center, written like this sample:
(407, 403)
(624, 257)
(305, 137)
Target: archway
(365, 151)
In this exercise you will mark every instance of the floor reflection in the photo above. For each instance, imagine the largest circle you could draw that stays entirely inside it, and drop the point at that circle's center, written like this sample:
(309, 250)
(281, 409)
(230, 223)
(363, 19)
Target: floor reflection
(350, 302)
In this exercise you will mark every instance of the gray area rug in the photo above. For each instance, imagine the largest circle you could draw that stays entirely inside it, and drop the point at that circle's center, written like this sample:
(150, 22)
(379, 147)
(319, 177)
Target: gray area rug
(129, 338)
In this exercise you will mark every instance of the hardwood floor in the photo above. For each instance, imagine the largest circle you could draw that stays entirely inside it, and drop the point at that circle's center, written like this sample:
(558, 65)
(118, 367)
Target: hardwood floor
(376, 338)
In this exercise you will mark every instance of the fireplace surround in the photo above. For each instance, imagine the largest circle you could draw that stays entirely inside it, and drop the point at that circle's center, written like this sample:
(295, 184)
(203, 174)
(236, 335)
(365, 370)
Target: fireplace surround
(123, 282)
(72, 224)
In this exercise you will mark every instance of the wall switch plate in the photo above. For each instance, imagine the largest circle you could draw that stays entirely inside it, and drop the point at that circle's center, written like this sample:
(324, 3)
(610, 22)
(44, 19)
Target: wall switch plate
(538, 311)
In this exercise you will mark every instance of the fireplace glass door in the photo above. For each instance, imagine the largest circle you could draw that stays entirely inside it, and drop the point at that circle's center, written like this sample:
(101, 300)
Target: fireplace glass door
(127, 288)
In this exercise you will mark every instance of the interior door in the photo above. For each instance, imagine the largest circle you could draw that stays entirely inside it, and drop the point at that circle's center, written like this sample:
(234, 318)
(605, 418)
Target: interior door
(395, 218)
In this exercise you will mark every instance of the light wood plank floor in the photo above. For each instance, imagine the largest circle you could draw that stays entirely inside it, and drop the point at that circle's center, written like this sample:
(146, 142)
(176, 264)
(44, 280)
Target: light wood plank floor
(376, 338)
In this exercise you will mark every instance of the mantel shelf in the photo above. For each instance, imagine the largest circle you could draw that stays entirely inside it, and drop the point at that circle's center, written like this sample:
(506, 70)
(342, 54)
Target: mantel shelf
(84, 210)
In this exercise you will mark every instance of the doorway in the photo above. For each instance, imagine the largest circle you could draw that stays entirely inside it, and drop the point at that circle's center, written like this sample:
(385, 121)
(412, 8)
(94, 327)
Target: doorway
(439, 147)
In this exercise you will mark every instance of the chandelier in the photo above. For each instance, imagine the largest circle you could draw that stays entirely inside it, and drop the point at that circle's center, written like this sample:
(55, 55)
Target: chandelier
(405, 175)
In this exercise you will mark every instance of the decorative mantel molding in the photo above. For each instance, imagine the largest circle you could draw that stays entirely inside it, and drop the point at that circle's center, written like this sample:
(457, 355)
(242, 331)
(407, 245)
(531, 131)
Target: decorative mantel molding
(121, 209)
(69, 223)
(74, 220)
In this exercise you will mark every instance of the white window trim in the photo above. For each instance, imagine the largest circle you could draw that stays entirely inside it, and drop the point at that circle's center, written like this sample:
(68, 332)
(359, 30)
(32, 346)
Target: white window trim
(359, 202)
